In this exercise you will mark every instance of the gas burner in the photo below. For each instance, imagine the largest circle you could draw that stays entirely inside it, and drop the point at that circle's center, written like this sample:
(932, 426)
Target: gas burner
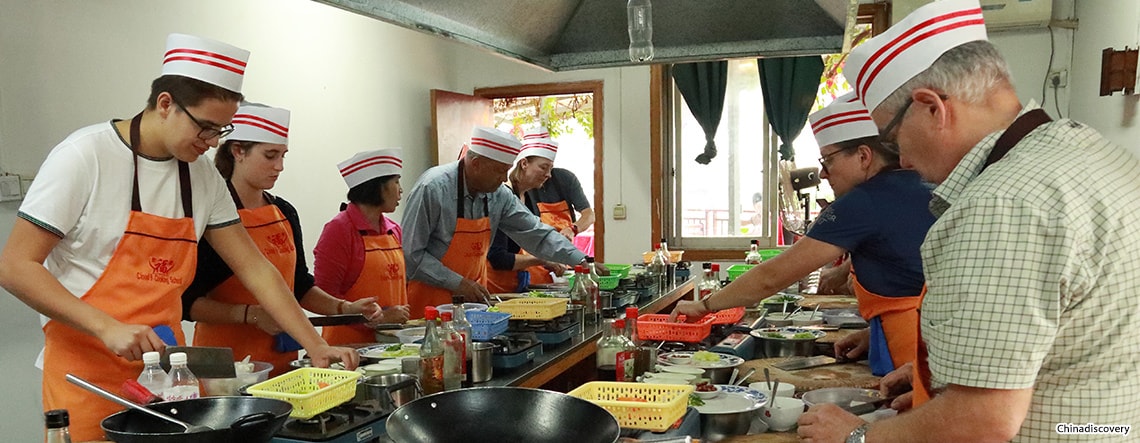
(344, 421)
(317, 424)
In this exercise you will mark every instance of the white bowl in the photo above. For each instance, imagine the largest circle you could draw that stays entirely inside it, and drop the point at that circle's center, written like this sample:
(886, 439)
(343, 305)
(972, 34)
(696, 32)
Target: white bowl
(683, 369)
(671, 377)
(784, 390)
(705, 395)
(783, 414)
(411, 335)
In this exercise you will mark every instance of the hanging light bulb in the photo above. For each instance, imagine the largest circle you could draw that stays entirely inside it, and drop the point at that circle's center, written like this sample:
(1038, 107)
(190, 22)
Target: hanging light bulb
(640, 16)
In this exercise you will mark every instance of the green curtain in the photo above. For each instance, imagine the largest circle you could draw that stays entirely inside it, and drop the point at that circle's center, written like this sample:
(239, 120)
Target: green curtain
(790, 85)
(703, 85)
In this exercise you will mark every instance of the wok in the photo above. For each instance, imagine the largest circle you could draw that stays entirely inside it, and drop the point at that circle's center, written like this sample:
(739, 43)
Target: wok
(502, 414)
(233, 419)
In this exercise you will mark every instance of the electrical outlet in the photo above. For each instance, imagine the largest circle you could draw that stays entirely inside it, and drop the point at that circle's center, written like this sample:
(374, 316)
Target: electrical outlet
(1059, 79)
(10, 188)
(619, 212)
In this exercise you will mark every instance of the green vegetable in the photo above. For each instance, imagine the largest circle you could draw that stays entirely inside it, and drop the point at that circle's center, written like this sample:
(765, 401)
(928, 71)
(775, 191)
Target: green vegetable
(802, 335)
(706, 356)
(540, 294)
(775, 335)
(695, 401)
(393, 348)
(493, 309)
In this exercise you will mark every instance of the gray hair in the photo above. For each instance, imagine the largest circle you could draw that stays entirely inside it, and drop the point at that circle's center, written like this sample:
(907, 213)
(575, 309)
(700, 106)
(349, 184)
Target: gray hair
(969, 72)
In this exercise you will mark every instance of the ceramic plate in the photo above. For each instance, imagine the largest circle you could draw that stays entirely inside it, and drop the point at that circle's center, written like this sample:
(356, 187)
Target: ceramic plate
(726, 360)
(787, 333)
(381, 351)
(683, 369)
(733, 399)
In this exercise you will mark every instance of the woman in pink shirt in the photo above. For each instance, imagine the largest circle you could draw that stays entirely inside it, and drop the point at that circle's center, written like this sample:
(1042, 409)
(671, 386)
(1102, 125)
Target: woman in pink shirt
(359, 253)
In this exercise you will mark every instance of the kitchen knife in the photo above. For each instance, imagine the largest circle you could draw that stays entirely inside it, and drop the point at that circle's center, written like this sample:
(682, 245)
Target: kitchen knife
(866, 408)
(338, 320)
(204, 362)
(805, 363)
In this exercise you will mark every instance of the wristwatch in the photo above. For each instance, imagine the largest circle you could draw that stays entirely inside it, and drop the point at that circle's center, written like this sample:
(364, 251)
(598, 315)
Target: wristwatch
(859, 434)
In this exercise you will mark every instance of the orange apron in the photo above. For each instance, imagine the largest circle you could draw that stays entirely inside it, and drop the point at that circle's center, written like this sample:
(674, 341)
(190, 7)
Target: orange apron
(557, 215)
(382, 277)
(143, 282)
(466, 256)
(897, 321)
(273, 236)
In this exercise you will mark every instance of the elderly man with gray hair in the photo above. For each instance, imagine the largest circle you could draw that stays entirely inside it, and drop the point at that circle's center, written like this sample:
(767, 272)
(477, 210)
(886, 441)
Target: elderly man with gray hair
(1032, 267)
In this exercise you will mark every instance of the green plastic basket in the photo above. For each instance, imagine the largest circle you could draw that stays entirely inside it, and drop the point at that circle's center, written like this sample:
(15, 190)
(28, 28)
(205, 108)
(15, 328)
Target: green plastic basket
(766, 254)
(738, 270)
(622, 271)
(605, 282)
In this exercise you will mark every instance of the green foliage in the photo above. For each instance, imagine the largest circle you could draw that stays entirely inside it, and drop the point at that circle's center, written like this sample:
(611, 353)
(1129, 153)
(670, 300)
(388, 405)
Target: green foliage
(553, 112)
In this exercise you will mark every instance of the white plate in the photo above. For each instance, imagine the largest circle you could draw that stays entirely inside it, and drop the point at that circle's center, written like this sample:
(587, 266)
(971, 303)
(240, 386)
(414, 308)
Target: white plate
(786, 333)
(733, 399)
(683, 369)
(380, 351)
(726, 360)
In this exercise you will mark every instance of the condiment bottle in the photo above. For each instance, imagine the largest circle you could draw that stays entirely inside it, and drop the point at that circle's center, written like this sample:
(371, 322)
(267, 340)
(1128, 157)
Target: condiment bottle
(183, 383)
(153, 377)
(454, 353)
(753, 255)
(625, 364)
(608, 347)
(57, 422)
(431, 355)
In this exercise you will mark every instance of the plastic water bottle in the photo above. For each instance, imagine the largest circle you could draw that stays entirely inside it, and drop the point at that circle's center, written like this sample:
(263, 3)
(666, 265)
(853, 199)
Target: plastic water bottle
(183, 383)
(639, 16)
(153, 378)
(57, 422)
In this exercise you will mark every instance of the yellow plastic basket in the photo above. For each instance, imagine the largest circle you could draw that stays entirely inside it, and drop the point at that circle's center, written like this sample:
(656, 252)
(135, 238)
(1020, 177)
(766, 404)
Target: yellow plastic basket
(311, 391)
(638, 405)
(534, 308)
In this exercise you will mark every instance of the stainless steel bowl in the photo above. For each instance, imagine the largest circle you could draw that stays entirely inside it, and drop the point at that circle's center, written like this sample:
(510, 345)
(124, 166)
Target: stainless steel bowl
(770, 347)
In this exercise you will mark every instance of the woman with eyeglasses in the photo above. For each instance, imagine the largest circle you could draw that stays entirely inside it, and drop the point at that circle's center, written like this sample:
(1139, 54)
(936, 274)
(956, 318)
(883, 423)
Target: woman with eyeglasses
(106, 239)
(880, 217)
(227, 314)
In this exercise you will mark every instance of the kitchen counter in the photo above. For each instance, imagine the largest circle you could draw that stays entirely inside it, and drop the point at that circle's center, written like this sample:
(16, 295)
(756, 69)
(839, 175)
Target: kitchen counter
(559, 359)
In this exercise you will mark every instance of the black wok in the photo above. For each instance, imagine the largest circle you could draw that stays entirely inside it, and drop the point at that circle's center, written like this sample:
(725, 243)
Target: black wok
(233, 419)
(501, 414)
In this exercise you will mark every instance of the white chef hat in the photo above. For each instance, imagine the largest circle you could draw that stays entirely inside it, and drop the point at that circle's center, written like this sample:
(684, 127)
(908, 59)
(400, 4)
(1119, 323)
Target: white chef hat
(844, 119)
(884, 63)
(368, 165)
(536, 133)
(542, 147)
(207, 60)
(262, 124)
(494, 144)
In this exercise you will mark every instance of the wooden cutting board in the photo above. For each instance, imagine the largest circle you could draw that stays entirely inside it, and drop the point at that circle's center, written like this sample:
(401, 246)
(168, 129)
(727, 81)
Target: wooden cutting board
(841, 375)
(834, 336)
(828, 302)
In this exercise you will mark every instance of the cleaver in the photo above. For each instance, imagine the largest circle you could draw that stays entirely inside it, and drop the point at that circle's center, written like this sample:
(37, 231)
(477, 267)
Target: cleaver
(204, 362)
(805, 363)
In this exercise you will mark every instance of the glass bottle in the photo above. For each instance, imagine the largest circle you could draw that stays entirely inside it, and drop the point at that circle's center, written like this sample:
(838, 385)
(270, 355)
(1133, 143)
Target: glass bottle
(183, 383)
(57, 422)
(460, 324)
(716, 275)
(639, 17)
(626, 360)
(153, 377)
(657, 269)
(593, 269)
(631, 314)
(431, 355)
(608, 347)
(454, 354)
(753, 255)
(585, 293)
(708, 284)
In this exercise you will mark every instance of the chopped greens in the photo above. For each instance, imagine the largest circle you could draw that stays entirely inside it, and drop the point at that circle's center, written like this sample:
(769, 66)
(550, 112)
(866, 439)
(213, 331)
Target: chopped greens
(695, 401)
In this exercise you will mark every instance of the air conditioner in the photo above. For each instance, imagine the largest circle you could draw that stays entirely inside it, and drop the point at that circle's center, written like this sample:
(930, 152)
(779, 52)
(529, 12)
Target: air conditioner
(1000, 15)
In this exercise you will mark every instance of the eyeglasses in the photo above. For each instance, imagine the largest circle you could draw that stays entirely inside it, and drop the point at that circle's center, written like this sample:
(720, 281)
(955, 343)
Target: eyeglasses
(889, 133)
(825, 160)
(207, 131)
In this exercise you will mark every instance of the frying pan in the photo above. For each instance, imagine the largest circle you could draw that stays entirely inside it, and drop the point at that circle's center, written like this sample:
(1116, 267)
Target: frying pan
(502, 414)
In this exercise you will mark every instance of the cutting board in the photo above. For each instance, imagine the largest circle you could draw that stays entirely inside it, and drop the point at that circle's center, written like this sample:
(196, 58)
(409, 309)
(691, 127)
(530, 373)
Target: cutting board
(834, 336)
(828, 302)
(851, 375)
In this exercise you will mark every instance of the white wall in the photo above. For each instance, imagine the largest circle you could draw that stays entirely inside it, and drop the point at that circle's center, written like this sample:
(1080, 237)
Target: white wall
(1105, 24)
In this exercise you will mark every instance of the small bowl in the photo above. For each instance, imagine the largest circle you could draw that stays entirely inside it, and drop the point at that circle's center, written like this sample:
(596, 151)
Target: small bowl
(385, 367)
(783, 414)
(784, 390)
(680, 359)
(705, 395)
(665, 379)
(777, 320)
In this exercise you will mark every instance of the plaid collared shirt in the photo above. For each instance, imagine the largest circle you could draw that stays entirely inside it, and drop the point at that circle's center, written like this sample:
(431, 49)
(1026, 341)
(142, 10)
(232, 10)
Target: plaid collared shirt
(1033, 276)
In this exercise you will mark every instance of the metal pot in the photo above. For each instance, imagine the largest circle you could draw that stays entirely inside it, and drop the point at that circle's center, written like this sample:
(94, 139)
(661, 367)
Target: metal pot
(233, 419)
(720, 375)
(498, 414)
(391, 391)
(775, 347)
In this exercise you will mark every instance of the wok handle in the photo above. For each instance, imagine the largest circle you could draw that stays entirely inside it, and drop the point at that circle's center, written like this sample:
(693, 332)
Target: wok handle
(122, 401)
(251, 420)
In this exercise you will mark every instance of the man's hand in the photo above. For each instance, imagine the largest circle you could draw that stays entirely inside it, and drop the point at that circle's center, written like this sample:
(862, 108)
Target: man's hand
(827, 423)
(131, 341)
(853, 346)
(472, 291)
(899, 382)
(601, 269)
(366, 306)
(325, 355)
(557, 268)
(395, 314)
(693, 310)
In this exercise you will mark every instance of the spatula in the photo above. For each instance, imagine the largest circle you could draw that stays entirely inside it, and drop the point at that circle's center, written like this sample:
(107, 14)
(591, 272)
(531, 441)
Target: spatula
(188, 428)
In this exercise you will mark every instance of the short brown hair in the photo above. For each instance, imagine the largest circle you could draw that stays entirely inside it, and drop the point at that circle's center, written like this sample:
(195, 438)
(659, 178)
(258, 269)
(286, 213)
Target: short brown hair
(888, 152)
(188, 91)
(224, 158)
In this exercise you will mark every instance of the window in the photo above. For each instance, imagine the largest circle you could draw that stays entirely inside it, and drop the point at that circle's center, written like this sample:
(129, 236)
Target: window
(718, 208)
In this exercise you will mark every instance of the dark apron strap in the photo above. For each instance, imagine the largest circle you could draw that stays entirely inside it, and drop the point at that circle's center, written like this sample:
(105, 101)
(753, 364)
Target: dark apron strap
(1021, 127)
(183, 173)
(234, 195)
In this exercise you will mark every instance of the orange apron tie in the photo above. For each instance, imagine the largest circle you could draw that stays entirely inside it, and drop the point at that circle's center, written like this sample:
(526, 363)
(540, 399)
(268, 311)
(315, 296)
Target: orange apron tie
(273, 236)
(384, 268)
(466, 256)
(143, 282)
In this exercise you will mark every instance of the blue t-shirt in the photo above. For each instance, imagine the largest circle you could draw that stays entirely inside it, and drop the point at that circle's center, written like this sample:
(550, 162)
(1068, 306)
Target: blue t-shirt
(881, 222)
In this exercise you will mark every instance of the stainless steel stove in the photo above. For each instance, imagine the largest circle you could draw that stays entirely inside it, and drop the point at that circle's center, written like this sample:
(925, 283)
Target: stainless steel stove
(347, 423)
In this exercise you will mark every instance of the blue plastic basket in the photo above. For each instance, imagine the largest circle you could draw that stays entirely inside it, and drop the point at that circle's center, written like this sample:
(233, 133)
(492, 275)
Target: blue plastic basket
(485, 325)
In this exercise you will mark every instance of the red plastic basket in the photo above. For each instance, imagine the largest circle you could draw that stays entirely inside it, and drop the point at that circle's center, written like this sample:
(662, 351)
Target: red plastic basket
(728, 316)
(658, 327)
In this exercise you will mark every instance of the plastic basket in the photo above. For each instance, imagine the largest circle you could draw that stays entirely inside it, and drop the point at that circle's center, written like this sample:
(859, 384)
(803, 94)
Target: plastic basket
(728, 316)
(622, 271)
(534, 308)
(735, 271)
(766, 254)
(605, 282)
(311, 391)
(638, 405)
(658, 327)
(485, 325)
(674, 256)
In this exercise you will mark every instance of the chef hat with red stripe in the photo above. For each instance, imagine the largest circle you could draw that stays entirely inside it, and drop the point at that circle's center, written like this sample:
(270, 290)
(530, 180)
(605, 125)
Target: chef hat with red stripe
(844, 119)
(368, 165)
(207, 60)
(262, 124)
(494, 144)
(537, 142)
(884, 63)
